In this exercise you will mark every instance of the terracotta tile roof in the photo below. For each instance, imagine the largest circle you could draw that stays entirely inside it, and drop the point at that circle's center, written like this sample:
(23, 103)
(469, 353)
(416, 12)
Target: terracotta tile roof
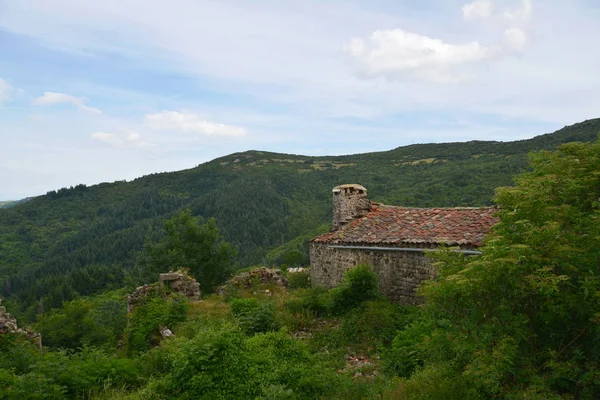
(397, 226)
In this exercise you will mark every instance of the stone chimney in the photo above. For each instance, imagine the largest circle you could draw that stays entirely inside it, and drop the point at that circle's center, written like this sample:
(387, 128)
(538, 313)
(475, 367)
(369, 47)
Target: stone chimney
(349, 202)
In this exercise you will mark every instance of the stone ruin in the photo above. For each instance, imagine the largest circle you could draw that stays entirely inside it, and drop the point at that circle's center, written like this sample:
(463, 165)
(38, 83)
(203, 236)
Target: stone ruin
(180, 283)
(176, 282)
(8, 325)
(247, 280)
(134, 299)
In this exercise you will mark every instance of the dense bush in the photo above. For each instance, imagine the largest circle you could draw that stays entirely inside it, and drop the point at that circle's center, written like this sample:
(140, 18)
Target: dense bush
(254, 316)
(406, 352)
(360, 285)
(145, 321)
(100, 323)
(316, 301)
(226, 364)
(375, 323)
(298, 280)
(60, 374)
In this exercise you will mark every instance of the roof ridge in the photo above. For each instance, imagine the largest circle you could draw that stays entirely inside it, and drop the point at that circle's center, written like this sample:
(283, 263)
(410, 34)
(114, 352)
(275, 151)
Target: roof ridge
(439, 208)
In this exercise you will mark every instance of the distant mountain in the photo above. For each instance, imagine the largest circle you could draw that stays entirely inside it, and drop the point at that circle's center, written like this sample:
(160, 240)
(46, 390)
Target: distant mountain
(82, 239)
(12, 203)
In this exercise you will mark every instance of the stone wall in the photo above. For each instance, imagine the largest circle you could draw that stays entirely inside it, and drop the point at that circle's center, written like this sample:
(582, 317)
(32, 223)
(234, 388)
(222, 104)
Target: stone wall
(399, 272)
(349, 202)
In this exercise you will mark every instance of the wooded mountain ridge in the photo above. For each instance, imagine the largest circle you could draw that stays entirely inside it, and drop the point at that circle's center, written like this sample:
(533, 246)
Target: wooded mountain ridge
(83, 239)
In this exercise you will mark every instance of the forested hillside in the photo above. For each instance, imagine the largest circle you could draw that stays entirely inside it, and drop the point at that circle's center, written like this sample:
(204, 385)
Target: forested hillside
(83, 239)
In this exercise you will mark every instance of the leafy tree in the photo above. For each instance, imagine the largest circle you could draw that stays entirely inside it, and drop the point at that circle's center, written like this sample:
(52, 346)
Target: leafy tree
(360, 285)
(523, 320)
(190, 243)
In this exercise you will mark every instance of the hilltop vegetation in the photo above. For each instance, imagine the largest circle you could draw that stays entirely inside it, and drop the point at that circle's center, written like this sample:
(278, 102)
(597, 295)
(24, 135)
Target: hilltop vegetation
(12, 203)
(79, 240)
(521, 321)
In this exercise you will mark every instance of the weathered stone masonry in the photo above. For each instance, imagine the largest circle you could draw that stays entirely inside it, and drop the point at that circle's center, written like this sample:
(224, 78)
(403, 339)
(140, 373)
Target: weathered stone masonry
(399, 272)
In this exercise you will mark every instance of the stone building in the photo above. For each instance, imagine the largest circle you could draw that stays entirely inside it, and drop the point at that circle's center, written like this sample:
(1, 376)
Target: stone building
(394, 241)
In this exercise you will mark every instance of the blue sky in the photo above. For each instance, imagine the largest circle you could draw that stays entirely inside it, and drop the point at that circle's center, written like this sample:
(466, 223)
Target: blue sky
(101, 91)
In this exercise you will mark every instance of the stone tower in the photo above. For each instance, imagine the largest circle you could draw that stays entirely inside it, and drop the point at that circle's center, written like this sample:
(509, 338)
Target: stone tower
(349, 202)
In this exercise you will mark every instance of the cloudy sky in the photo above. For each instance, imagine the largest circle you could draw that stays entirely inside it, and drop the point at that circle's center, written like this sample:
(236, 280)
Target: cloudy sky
(94, 91)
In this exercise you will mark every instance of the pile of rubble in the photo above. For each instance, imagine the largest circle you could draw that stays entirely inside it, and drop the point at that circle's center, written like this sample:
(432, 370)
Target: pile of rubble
(361, 366)
(257, 276)
(180, 283)
(8, 324)
(137, 297)
(176, 282)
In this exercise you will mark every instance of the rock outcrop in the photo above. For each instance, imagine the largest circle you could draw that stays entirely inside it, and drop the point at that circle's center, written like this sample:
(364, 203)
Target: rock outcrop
(176, 282)
(8, 325)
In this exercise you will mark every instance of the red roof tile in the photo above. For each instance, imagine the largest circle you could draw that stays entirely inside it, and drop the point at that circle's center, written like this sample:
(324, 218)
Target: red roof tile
(399, 226)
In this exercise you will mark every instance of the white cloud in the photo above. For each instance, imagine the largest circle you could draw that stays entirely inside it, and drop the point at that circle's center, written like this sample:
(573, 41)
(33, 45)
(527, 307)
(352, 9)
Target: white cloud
(515, 38)
(52, 98)
(521, 14)
(125, 139)
(90, 110)
(191, 123)
(391, 53)
(5, 90)
(479, 9)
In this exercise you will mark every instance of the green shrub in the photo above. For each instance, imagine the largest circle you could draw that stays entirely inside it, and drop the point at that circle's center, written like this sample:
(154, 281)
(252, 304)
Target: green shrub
(360, 285)
(299, 280)
(87, 370)
(315, 300)
(31, 386)
(375, 323)
(243, 305)
(405, 353)
(17, 353)
(225, 364)
(440, 382)
(61, 374)
(253, 316)
(145, 321)
(97, 322)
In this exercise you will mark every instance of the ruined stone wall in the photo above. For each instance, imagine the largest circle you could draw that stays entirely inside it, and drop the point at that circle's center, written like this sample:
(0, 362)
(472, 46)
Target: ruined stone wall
(399, 272)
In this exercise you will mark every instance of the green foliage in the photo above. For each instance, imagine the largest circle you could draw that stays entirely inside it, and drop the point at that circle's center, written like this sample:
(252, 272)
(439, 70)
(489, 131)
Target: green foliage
(26, 373)
(374, 324)
(226, 364)
(523, 319)
(29, 386)
(98, 322)
(254, 316)
(315, 300)
(82, 240)
(406, 352)
(360, 285)
(299, 280)
(295, 251)
(198, 247)
(147, 318)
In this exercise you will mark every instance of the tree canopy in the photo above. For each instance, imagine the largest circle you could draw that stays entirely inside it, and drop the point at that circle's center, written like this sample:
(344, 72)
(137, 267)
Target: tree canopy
(523, 320)
(192, 244)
